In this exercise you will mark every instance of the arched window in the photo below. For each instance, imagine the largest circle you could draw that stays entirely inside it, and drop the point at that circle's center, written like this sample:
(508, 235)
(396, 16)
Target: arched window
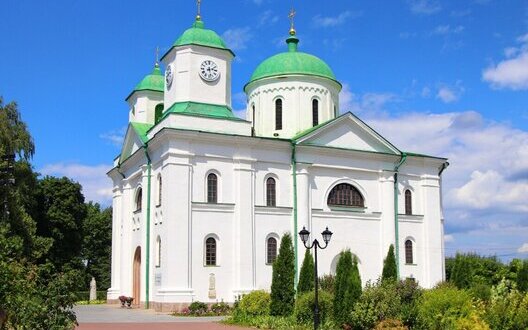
(160, 191)
(158, 112)
(278, 114)
(253, 119)
(409, 252)
(408, 202)
(139, 199)
(212, 188)
(157, 259)
(271, 196)
(271, 250)
(315, 112)
(345, 194)
(210, 252)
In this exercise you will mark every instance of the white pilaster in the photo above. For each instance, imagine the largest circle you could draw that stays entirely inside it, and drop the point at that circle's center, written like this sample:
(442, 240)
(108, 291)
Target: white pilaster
(244, 228)
(117, 216)
(433, 238)
(388, 230)
(303, 209)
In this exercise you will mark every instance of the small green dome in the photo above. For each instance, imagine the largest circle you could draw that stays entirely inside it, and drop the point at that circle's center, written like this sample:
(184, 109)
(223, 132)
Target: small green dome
(292, 62)
(198, 35)
(152, 82)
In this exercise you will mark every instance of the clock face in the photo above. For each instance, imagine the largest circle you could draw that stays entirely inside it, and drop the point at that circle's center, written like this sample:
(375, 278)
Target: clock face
(209, 71)
(168, 76)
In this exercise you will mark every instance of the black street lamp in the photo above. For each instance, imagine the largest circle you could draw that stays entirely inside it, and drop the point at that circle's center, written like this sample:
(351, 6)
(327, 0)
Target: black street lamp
(305, 235)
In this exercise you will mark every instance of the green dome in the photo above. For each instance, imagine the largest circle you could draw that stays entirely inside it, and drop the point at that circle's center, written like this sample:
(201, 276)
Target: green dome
(292, 62)
(198, 35)
(152, 82)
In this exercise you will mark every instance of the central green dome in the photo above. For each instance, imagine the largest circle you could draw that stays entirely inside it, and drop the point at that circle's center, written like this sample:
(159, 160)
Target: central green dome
(292, 62)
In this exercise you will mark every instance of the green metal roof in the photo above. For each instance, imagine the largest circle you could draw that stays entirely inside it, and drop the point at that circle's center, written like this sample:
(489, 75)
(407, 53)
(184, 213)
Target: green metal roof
(202, 109)
(152, 82)
(141, 130)
(293, 62)
(198, 35)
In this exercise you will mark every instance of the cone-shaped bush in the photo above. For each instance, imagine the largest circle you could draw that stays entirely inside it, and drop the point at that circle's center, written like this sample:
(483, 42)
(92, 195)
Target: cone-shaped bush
(347, 287)
(306, 277)
(389, 267)
(282, 282)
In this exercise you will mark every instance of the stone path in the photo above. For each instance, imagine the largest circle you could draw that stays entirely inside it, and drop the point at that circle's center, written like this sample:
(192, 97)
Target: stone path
(92, 317)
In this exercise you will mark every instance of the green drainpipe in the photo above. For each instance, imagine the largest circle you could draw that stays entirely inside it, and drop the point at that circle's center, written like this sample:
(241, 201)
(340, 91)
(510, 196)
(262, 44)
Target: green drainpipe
(147, 273)
(396, 225)
(295, 229)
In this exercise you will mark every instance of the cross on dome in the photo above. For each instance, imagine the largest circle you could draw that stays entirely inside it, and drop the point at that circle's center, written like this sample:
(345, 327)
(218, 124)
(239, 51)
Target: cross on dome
(198, 5)
(291, 16)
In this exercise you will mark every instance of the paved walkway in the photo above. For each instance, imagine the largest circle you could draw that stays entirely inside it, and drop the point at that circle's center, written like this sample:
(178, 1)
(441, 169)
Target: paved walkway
(92, 317)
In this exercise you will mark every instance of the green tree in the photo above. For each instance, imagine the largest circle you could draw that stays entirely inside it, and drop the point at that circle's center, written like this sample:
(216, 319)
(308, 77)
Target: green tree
(97, 245)
(283, 278)
(32, 293)
(62, 212)
(14, 135)
(347, 287)
(306, 277)
(389, 266)
(522, 277)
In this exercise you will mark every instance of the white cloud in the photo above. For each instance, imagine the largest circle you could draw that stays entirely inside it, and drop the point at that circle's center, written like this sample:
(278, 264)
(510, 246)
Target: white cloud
(268, 18)
(491, 189)
(96, 185)
(450, 94)
(523, 248)
(367, 102)
(446, 95)
(449, 238)
(237, 38)
(448, 29)
(424, 7)
(330, 21)
(511, 72)
(114, 137)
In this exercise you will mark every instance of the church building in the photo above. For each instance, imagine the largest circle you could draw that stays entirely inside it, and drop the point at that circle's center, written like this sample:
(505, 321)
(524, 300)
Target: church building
(201, 197)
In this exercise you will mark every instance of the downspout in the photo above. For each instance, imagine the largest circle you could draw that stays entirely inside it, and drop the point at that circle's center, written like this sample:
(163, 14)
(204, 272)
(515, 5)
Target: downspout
(147, 272)
(443, 167)
(118, 171)
(295, 229)
(396, 225)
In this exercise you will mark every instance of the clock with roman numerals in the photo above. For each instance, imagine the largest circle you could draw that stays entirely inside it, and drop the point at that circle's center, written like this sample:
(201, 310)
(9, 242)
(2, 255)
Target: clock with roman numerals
(209, 71)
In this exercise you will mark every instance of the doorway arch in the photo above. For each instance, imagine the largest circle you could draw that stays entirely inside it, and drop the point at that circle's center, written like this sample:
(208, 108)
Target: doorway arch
(333, 264)
(136, 277)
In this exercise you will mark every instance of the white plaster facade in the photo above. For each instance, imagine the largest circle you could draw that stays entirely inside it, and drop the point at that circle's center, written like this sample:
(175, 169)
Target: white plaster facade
(183, 149)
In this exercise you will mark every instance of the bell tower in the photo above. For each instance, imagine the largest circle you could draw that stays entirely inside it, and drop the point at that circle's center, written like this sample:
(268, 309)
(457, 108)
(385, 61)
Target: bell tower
(198, 68)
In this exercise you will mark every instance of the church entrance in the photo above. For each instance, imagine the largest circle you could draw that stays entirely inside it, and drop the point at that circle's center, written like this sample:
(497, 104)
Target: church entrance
(136, 277)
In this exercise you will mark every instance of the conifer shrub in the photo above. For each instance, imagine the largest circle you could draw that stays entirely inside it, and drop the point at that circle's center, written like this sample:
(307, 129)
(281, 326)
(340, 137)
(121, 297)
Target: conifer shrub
(390, 272)
(304, 306)
(306, 277)
(256, 303)
(347, 287)
(282, 282)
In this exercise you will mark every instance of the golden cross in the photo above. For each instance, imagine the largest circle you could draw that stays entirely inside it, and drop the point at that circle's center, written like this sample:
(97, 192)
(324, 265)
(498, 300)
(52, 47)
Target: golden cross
(198, 4)
(291, 16)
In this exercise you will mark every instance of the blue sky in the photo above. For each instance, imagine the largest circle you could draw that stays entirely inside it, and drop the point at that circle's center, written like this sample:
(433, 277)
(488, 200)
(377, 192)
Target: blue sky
(448, 78)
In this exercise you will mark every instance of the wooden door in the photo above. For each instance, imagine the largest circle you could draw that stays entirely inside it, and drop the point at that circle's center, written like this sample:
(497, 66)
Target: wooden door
(136, 280)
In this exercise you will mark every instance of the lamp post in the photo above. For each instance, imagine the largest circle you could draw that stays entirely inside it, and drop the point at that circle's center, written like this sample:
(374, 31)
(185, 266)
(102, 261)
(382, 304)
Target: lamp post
(305, 235)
